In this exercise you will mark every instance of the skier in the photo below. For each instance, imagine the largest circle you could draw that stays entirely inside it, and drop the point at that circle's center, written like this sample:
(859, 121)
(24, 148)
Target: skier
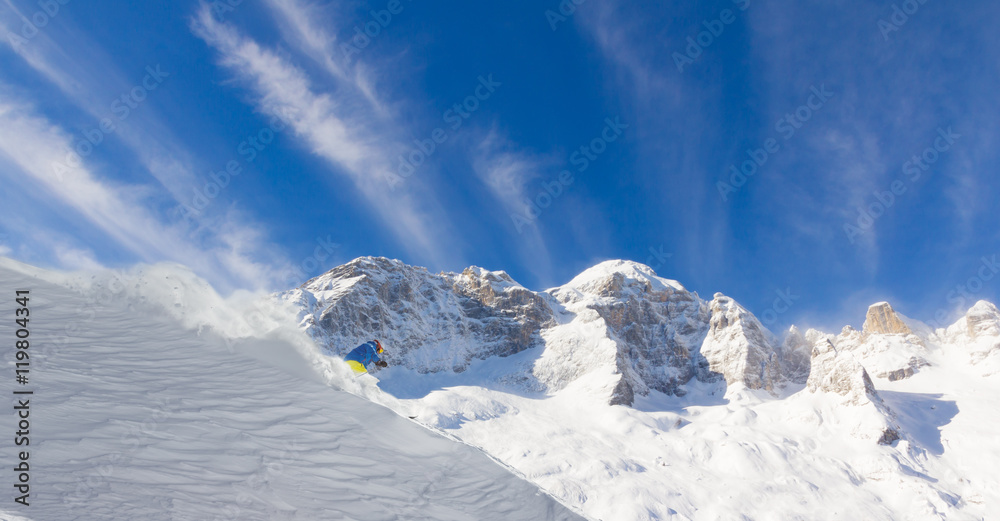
(365, 354)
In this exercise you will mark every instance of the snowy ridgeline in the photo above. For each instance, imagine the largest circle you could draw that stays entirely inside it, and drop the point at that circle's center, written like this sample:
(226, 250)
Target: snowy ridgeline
(154, 400)
(621, 394)
(725, 419)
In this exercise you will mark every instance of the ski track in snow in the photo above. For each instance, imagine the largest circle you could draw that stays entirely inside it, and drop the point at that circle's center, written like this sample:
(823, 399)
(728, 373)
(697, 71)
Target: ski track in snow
(135, 417)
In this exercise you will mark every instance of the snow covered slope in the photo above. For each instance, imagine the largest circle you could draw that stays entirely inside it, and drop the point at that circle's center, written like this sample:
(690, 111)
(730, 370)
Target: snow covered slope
(634, 399)
(146, 408)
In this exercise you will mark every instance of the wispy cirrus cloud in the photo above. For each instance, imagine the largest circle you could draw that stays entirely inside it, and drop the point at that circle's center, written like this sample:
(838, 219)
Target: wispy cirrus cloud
(29, 142)
(506, 171)
(298, 23)
(350, 139)
(88, 77)
(658, 102)
(509, 173)
(889, 106)
(227, 246)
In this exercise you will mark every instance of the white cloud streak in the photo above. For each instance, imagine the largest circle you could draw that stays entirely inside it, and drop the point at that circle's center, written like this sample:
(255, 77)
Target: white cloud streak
(507, 173)
(345, 138)
(299, 27)
(89, 78)
(31, 142)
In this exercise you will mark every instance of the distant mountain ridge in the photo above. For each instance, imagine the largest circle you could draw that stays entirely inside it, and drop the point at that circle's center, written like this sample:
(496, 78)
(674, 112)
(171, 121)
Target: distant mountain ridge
(616, 331)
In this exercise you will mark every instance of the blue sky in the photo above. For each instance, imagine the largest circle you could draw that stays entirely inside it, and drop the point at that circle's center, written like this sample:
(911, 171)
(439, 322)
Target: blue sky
(266, 142)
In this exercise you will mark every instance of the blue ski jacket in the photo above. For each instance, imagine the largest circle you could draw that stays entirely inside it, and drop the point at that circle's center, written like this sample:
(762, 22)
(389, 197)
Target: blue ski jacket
(364, 354)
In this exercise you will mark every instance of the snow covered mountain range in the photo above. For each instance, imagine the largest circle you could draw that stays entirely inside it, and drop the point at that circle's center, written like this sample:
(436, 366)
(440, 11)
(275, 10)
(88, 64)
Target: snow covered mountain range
(621, 327)
(480, 356)
(619, 396)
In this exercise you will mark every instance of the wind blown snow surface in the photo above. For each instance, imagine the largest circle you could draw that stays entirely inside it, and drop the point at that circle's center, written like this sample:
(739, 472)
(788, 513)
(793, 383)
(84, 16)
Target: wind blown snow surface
(155, 399)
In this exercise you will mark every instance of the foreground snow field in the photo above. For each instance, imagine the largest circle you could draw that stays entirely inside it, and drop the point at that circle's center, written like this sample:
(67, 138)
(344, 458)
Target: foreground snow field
(137, 415)
(746, 456)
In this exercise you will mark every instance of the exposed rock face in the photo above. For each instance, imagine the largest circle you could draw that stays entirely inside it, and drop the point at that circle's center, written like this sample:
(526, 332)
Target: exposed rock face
(882, 319)
(911, 368)
(623, 394)
(887, 346)
(982, 321)
(796, 355)
(427, 322)
(506, 310)
(738, 348)
(657, 326)
(839, 373)
(617, 330)
(978, 332)
(618, 318)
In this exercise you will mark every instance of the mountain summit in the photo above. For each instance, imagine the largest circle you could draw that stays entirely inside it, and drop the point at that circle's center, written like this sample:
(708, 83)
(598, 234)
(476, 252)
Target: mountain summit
(616, 331)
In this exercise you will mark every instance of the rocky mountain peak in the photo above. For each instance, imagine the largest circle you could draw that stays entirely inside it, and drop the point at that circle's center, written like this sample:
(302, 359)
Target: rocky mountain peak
(738, 347)
(654, 324)
(475, 272)
(617, 330)
(982, 320)
(882, 319)
(840, 373)
(620, 278)
(429, 322)
(890, 346)
(362, 266)
(796, 352)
